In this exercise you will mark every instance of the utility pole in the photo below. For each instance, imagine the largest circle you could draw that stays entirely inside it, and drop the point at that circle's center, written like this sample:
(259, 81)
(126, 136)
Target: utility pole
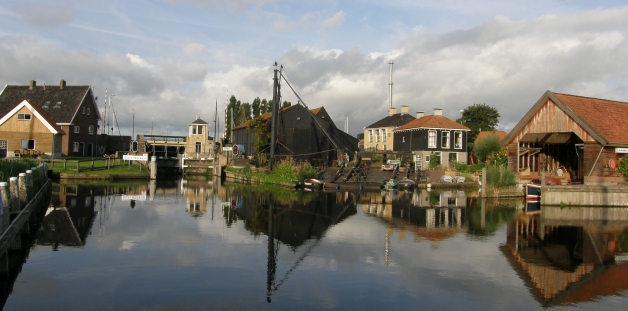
(273, 124)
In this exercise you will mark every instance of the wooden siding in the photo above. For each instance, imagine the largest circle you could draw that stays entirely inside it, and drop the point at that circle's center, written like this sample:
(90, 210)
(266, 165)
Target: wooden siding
(551, 119)
(34, 125)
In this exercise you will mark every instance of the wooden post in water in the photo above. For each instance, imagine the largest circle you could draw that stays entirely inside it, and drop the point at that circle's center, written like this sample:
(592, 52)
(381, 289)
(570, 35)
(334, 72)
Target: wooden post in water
(29, 186)
(22, 191)
(5, 199)
(14, 189)
(484, 182)
(5, 211)
(153, 167)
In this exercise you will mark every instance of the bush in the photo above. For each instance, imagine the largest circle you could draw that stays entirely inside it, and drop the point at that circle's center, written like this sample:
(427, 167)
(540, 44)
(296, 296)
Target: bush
(623, 167)
(377, 158)
(12, 168)
(434, 162)
(486, 147)
(500, 177)
(461, 167)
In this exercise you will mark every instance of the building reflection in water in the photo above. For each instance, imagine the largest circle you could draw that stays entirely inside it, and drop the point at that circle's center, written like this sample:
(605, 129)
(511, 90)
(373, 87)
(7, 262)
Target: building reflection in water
(569, 255)
(431, 215)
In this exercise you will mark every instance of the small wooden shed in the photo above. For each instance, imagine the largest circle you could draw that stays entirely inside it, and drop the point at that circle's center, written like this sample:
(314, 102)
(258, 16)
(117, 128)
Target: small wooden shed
(579, 139)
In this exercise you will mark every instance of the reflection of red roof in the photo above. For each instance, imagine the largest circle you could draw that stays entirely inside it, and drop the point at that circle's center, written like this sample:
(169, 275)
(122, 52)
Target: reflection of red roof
(613, 281)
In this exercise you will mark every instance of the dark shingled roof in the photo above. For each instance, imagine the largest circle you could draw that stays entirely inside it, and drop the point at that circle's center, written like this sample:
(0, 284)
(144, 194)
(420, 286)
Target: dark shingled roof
(70, 98)
(395, 120)
(199, 121)
(434, 121)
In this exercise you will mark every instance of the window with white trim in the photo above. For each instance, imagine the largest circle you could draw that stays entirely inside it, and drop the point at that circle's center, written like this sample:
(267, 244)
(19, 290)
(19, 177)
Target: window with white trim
(75, 147)
(84, 108)
(90, 130)
(458, 140)
(377, 135)
(77, 129)
(28, 144)
(198, 147)
(4, 144)
(24, 116)
(444, 139)
(87, 111)
(370, 136)
(383, 135)
(431, 139)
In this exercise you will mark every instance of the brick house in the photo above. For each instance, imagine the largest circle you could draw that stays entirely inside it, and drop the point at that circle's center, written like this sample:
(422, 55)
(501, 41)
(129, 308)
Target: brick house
(378, 136)
(71, 109)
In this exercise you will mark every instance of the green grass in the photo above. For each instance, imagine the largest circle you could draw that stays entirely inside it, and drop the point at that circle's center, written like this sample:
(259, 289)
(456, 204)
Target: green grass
(99, 167)
(12, 168)
(284, 172)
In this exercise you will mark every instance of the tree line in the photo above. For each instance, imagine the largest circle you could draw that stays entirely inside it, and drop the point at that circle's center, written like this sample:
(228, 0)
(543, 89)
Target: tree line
(241, 112)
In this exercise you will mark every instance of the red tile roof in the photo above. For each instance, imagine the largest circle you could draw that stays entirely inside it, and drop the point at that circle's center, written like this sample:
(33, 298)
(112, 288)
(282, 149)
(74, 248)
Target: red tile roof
(433, 121)
(500, 134)
(608, 118)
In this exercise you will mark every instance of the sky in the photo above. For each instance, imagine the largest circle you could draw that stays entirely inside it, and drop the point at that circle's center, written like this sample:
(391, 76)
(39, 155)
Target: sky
(165, 63)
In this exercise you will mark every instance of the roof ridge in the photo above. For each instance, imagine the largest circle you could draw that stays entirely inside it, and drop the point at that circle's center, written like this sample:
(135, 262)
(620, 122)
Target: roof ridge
(594, 98)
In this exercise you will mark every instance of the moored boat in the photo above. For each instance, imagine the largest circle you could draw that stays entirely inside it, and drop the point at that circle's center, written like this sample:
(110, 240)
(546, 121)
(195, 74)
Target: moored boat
(389, 183)
(312, 183)
(405, 183)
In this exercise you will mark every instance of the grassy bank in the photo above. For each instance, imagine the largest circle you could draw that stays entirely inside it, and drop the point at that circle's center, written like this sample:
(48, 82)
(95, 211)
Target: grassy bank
(11, 168)
(98, 167)
(284, 172)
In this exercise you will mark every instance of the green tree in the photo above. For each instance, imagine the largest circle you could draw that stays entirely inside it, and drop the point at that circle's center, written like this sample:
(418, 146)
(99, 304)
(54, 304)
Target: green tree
(261, 132)
(286, 104)
(479, 117)
(256, 107)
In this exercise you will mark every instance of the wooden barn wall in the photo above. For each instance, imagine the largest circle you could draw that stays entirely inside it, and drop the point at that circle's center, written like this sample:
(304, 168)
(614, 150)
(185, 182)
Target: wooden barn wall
(551, 119)
(602, 170)
(513, 156)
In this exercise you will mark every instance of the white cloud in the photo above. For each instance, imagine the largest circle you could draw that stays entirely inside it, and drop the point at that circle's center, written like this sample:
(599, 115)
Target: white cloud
(334, 21)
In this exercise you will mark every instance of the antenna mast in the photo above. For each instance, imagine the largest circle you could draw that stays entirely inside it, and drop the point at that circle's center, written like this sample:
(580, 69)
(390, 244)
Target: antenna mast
(390, 84)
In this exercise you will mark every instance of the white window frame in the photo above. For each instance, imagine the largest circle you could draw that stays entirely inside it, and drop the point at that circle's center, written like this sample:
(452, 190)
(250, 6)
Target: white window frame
(445, 141)
(198, 147)
(84, 109)
(457, 134)
(431, 139)
(27, 144)
(75, 147)
(377, 135)
(370, 136)
(24, 116)
(4, 144)
(90, 130)
(77, 129)
(384, 135)
(88, 111)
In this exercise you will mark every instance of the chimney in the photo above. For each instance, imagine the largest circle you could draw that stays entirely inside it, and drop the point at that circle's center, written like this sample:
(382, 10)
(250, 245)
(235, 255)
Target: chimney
(404, 109)
(420, 114)
(393, 111)
(32, 85)
(438, 112)
(61, 84)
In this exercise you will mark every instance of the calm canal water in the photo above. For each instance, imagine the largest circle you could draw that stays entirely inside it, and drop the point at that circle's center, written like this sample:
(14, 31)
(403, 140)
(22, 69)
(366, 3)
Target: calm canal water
(194, 245)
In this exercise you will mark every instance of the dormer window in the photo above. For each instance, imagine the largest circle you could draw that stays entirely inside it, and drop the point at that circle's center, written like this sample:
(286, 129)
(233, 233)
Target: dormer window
(57, 105)
(24, 116)
(46, 105)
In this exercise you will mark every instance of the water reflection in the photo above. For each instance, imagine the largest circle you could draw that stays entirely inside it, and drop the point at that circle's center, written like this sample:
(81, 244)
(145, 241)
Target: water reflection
(569, 256)
(158, 243)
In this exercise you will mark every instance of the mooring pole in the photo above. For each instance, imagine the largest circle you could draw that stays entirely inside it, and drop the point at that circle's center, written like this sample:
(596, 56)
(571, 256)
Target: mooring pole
(273, 123)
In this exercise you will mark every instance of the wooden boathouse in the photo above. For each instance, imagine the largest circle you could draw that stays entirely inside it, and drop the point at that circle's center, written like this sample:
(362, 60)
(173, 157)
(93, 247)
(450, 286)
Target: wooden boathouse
(575, 138)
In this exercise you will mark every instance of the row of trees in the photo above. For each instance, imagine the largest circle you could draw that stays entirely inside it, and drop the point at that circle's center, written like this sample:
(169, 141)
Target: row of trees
(243, 112)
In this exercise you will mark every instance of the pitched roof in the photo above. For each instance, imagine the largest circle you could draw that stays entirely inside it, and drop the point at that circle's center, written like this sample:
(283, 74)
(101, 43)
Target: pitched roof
(605, 120)
(268, 115)
(394, 120)
(433, 121)
(70, 98)
(608, 118)
(499, 134)
(39, 114)
(199, 121)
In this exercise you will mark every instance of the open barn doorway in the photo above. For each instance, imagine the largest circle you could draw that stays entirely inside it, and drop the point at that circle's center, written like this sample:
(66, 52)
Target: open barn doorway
(555, 154)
